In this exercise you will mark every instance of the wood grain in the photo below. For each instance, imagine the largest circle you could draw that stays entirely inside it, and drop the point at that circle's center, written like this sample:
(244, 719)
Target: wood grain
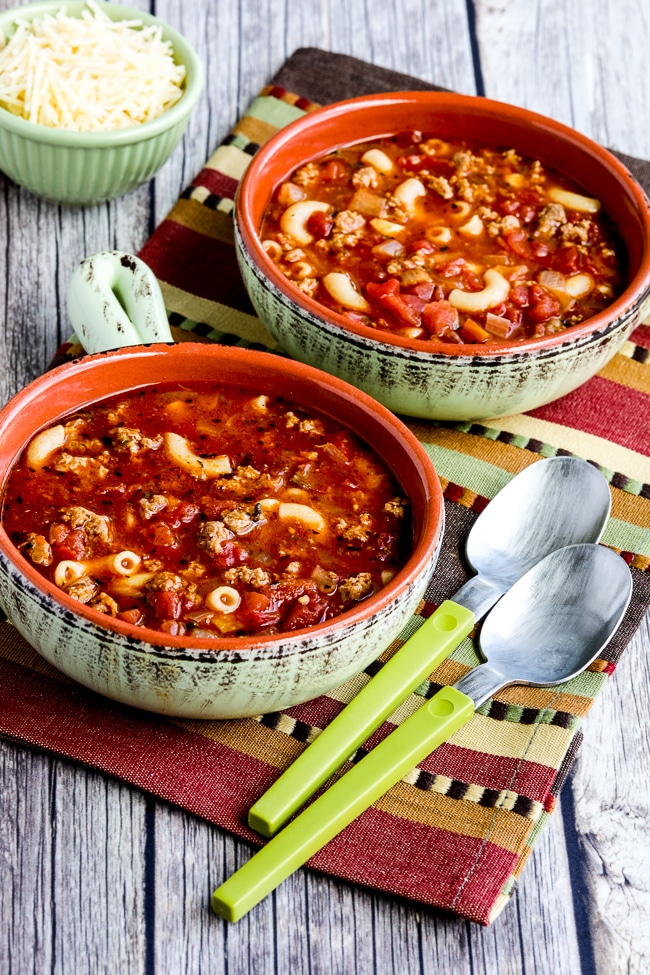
(95, 877)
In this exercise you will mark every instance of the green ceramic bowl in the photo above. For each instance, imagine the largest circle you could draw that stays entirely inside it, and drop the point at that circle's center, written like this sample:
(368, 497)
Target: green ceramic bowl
(83, 168)
(442, 380)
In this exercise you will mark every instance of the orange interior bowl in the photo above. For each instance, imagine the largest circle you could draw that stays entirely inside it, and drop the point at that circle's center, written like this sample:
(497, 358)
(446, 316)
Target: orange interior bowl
(313, 333)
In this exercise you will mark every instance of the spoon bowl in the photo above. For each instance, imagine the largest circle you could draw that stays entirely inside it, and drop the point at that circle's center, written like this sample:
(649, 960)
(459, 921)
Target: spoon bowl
(549, 505)
(531, 638)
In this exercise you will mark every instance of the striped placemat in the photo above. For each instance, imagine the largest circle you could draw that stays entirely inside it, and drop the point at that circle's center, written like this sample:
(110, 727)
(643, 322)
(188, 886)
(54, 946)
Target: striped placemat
(458, 830)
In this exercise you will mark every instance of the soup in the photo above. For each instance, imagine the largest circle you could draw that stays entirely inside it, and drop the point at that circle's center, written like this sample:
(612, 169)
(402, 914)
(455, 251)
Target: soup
(207, 510)
(444, 241)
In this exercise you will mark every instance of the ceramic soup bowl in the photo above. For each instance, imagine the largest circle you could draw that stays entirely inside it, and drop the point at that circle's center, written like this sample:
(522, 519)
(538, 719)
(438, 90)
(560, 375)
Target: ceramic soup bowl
(224, 677)
(434, 379)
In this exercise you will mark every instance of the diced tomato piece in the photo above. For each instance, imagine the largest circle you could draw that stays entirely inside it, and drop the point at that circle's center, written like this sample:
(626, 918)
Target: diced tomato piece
(58, 533)
(439, 316)
(519, 296)
(416, 162)
(305, 614)
(513, 314)
(376, 291)
(452, 268)
(567, 259)
(527, 213)
(404, 308)
(424, 289)
(542, 304)
(518, 242)
(421, 244)
(258, 611)
(333, 170)
(187, 512)
(539, 249)
(73, 546)
(61, 553)
(231, 554)
(255, 602)
(166, 605)
(133, 616)
(527, 247)
(471, 280)
(183, 514)
(320, 223)
(164, 537)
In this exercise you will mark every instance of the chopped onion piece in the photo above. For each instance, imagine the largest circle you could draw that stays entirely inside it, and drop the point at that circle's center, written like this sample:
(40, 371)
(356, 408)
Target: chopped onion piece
(496, 325)
(369, 203)
(553, 280)
(579, 285)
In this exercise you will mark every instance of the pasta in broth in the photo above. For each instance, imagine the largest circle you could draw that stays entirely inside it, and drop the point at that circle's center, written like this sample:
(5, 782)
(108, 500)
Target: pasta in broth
(444, 241)
(207, 511)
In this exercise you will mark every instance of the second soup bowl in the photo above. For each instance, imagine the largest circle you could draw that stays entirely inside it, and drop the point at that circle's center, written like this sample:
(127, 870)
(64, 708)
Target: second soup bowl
(435, 379)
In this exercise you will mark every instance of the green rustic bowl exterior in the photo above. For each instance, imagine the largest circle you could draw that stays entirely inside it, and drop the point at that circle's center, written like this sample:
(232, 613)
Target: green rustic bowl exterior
(433, 385)
(85, 168)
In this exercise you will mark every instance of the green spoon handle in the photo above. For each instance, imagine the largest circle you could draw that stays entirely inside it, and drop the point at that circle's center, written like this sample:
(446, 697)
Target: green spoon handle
(355, 791)
(405, 671)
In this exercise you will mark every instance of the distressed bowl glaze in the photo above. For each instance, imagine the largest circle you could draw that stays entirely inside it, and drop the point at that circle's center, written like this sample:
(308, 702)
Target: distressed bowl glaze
(85, 168)
(177, 675)
(439, 380)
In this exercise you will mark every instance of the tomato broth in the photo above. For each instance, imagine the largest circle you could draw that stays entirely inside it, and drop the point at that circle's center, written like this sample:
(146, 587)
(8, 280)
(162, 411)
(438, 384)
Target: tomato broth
(207, 510)
(444, 241)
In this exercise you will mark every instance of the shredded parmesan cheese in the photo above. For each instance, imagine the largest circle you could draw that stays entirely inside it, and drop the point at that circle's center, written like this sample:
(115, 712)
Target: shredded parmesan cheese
(88, 73)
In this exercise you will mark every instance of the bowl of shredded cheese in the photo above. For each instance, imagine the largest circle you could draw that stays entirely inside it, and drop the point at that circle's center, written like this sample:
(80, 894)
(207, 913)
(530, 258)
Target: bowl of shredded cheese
(94, 97)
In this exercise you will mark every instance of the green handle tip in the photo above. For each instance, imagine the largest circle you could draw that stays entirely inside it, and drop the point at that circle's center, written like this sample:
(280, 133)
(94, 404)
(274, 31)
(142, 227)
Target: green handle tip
(223, 908)
(260, 824)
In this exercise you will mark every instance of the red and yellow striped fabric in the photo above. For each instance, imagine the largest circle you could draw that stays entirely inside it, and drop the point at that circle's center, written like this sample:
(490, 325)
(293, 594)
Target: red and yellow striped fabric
(457, 831)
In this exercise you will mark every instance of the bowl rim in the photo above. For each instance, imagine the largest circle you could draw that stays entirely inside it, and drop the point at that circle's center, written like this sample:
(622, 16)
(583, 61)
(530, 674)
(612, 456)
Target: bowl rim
(233, 648)
(248, 236)
(183, 51)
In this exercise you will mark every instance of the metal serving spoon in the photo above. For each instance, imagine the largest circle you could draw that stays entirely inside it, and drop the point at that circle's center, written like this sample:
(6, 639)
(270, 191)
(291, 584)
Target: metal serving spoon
(553, 503)
(551, 625)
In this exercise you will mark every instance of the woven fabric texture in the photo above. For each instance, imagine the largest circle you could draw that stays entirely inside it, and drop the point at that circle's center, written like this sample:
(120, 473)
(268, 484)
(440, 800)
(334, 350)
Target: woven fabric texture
(458, 830)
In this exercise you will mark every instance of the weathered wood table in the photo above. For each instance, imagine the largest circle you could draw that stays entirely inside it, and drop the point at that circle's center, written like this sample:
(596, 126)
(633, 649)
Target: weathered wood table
(95, 876)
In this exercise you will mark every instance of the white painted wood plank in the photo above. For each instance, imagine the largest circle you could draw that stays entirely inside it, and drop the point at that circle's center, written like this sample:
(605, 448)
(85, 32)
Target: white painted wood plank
(583, 62)
(612, 801)
(71, 869)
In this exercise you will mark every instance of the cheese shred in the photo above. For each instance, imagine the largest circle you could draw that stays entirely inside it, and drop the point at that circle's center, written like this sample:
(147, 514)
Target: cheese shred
(88, 73)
